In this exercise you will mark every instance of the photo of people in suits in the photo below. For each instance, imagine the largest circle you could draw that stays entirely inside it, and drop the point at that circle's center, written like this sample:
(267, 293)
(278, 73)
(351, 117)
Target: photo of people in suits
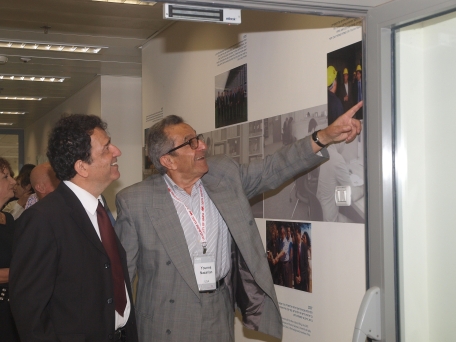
(289, 253)
(231, 97)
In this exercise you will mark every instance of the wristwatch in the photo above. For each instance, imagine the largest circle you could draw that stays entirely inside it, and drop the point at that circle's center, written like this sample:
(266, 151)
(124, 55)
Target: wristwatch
(315, 139)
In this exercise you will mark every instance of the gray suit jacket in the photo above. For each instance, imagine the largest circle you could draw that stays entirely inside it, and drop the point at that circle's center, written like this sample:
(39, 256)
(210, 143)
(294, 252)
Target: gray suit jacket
(168, 302)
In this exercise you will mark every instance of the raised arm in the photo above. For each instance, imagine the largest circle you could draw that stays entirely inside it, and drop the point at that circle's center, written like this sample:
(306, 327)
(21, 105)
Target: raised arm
(345, 128)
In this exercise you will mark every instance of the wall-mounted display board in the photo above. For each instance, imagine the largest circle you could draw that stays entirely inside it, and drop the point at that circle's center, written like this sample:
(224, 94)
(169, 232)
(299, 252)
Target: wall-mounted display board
(252, 89)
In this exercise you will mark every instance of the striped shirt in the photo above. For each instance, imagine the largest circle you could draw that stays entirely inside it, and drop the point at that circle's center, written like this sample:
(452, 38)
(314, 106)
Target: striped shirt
(218, 236)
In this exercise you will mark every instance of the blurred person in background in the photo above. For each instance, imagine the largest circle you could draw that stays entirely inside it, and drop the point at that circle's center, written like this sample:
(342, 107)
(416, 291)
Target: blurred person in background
(8, 330)
(22, 191)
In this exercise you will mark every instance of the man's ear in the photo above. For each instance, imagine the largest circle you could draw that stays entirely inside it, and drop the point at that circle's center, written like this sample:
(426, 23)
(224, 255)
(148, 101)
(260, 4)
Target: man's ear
(81, 168)
(39, 187)
(167, 161)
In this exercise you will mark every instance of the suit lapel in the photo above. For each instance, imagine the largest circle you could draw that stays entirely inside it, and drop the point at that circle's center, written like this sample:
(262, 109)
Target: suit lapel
(77, 212)
(165, 220)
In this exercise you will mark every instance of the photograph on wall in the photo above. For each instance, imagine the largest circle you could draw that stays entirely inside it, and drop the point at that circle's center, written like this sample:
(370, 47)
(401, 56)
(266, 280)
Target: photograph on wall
(289, 253)
(243, 143)
(344, 81)
(296, 198)
(346, 165)
(231, 97)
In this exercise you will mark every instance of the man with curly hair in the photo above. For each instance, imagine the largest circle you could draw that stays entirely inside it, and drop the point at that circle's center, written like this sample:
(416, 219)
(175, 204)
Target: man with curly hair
(69, 276)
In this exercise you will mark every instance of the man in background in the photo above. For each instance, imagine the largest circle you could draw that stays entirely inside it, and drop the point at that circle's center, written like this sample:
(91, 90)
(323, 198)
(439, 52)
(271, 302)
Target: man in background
(358, 91)
(335, 107)
(43, 181)
(345, 92)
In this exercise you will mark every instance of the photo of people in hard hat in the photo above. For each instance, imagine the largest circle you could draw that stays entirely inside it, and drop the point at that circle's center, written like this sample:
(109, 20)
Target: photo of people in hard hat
(346, 164)
(344, 80)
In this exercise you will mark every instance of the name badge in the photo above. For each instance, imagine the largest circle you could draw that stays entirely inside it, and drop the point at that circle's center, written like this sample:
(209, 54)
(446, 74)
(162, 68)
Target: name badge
(204, 266)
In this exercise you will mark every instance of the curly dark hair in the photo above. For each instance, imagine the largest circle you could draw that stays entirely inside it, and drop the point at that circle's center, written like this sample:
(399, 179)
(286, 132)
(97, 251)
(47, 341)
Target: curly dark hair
(24, 176)
(69, 141)
(157, 140)
(4, 164)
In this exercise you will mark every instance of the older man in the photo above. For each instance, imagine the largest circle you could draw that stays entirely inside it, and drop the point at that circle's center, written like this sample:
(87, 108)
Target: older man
(191, 237)
(43, 180)
(69, 279)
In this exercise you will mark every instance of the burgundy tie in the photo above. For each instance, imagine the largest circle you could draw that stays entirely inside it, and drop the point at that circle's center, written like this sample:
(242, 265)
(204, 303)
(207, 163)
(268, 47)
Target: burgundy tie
(108, 239)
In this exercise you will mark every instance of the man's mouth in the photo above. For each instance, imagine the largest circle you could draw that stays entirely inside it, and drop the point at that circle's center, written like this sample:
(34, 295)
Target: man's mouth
(199, 158)
(114, 164)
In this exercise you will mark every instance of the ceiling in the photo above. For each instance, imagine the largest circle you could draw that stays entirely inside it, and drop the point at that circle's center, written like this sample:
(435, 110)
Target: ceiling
(122, 28)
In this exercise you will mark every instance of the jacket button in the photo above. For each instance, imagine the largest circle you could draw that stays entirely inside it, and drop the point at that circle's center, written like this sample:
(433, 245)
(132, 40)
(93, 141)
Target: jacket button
(171, 301)
(168, 332)
(168, 262)
(107, 265)
(109, 300)
(250, 222)
(110, 336)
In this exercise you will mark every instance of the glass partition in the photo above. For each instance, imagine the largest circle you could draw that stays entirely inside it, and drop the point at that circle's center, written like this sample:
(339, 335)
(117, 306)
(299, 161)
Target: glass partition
(425, 74)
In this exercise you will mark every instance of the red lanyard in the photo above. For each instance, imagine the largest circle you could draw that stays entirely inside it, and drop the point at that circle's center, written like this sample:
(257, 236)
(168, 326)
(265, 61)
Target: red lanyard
(200, 228)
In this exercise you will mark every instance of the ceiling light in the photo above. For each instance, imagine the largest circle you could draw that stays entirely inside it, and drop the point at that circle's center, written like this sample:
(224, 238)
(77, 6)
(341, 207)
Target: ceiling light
(129, 2)
(51, 47)
(32, 78)
(21, 98)
(6, 123)
(18, 113)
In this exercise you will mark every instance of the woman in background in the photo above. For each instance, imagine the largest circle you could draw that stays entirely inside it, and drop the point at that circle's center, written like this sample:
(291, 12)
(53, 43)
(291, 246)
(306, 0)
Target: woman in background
(7, 327)
(22, 191)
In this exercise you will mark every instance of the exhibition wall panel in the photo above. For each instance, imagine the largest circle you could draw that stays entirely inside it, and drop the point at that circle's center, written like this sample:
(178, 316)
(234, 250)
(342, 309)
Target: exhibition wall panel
(251, 89)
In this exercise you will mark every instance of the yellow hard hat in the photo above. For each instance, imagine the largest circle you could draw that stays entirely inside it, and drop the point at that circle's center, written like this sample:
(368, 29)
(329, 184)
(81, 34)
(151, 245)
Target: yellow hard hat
(332, 74)
(358, 68)
(345, 71)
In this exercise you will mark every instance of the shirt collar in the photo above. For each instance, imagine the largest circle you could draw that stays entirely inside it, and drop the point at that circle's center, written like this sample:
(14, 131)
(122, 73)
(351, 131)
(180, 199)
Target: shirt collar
(176, 187)
(88, 201)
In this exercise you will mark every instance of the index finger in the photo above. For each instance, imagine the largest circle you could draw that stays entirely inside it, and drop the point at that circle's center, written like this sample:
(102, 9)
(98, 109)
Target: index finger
(354, 109)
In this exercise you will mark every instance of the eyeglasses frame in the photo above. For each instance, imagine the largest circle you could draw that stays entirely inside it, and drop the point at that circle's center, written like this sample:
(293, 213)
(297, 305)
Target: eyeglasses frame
(198, 138)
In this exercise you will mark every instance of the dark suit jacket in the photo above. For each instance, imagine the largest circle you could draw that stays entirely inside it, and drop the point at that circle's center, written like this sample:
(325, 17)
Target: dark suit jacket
(343, 92)
(303, 264)
(359, 113)
(60, 279)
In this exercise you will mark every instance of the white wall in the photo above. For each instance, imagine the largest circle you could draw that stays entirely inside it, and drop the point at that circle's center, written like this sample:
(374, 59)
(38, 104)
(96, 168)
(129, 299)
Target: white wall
(117, 100)
(425, 170)
(121, 109)
(87, 101)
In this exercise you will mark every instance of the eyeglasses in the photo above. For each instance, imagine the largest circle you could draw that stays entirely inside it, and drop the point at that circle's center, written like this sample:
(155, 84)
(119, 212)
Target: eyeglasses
(193, 143)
